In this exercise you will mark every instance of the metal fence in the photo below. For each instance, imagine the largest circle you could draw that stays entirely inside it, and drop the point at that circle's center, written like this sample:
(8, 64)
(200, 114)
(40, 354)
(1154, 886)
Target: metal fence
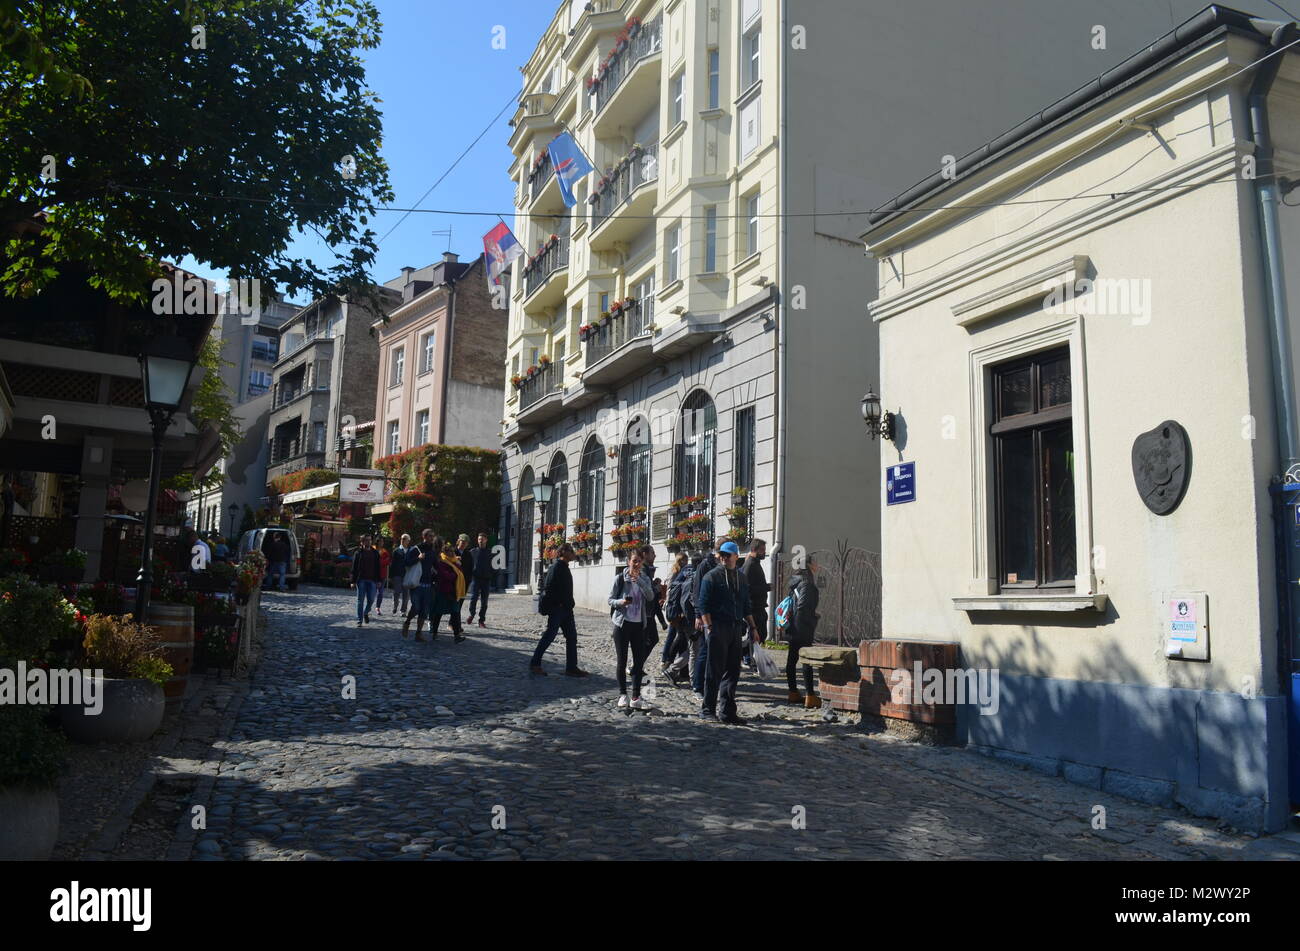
(848, 580)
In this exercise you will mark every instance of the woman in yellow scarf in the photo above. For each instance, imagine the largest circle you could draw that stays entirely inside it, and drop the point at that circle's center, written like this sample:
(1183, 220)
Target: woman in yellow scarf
(451, 587)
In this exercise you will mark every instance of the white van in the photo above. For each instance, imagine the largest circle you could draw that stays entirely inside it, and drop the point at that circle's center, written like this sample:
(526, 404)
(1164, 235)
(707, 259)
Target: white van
(254, 540)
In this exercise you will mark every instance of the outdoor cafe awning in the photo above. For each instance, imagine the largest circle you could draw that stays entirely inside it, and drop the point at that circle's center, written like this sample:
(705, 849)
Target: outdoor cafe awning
(305, 495)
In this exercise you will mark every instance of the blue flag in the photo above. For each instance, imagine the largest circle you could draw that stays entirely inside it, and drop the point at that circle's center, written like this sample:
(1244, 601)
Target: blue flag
(570, 165)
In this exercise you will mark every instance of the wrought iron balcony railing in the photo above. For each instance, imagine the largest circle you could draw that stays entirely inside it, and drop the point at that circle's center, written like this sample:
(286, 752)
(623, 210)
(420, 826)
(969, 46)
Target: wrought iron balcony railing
(620, 329)
(646, 41)
(545, 382)
(555, 257)
(640, 167)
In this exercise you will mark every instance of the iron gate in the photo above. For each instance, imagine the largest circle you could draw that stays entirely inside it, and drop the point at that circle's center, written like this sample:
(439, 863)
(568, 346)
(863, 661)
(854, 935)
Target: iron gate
(849, 582)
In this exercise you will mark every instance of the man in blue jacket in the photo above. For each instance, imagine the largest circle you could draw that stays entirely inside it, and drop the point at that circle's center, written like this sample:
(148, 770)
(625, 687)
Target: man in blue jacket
(724, 604)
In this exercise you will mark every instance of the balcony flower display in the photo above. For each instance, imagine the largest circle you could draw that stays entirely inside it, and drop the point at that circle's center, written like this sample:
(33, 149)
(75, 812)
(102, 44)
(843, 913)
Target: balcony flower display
(630, 29)
(585, 331)
(544, 360)
(517, 381)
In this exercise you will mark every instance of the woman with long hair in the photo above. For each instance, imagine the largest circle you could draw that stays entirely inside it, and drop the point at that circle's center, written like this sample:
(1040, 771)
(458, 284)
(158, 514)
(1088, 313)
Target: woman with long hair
(633, 602)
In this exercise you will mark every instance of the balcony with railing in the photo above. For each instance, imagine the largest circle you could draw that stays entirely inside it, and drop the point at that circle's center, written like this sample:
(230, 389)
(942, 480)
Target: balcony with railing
(542, 174)
(629, 77)
(540, 399)
(623, 199)
(540, 291)
(622, 345)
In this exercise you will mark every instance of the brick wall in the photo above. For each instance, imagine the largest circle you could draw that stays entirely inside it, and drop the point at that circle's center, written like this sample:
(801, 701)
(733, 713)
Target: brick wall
(479, 349)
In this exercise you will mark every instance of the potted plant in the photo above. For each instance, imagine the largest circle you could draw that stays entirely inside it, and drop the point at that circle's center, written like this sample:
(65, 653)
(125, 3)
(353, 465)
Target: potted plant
(699, 502)
(32, 617)
(64, 567)
(13, 561)
(131, 696)
(739, 494)
(218, 648)
(216, 577)
(738, 514)
(31, 757)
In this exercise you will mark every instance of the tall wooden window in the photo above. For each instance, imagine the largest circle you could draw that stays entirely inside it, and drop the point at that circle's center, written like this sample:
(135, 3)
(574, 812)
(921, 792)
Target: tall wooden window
(746, 448)
(558, 511)
(1033, 440)
(635, 458)
(697, 449)
(591, 482)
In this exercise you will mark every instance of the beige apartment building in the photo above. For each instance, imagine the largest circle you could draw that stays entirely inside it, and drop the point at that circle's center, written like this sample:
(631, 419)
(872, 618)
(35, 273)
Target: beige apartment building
(695, 323)
(1089, 335)
(440, 356)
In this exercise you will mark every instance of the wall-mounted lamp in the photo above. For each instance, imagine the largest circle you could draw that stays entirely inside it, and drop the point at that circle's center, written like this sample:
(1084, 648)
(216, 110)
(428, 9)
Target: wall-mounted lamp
(678, 310)
(761, 281)
(878, 424)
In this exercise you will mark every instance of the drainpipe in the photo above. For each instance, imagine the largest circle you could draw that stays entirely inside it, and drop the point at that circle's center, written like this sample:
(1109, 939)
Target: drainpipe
(446, 364)
(1267, 193)
(778, 513)
(1287, 534)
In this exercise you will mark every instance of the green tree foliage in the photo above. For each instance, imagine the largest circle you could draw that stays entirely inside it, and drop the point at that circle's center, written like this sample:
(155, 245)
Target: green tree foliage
(217, 129)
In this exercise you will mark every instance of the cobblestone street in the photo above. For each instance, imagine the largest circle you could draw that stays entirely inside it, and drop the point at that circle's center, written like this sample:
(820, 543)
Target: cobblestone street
(443, 738)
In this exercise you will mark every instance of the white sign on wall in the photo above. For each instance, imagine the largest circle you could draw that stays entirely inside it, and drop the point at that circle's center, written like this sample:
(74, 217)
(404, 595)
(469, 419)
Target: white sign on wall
(361, 485)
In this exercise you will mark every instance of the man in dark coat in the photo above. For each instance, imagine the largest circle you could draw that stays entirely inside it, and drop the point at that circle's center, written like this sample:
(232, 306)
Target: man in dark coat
(756, 579)
(366, 572)
(557, 604)
(699, 675)
(724, 605)
(480, 578)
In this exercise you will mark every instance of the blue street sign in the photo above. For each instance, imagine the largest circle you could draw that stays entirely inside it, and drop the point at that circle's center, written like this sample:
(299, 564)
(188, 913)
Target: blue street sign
(900, 483)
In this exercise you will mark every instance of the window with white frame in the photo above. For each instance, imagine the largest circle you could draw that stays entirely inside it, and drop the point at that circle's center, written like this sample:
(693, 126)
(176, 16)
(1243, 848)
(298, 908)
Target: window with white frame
(426, 364)
(751, 56)
(398, 367)
(393, 433)
(751, 226)
(422, 427)
(678, 88)
(710, 239)
(715, 78)
(673, 242)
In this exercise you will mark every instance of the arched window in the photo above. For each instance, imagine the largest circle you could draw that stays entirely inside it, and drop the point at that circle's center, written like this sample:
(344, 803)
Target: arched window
(591, 482)
(635, 459)
(525, 543)
(697, 448)
(558, 510)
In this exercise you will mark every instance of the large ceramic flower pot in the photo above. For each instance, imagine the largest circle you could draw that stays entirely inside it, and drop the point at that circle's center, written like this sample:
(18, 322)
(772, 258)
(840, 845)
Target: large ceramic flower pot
(132, 711)
(29, 824)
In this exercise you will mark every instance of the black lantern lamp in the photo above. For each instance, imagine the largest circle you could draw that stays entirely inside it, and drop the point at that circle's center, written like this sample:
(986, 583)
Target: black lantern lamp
(233, 509)
(165, 367)
(878, 424)
(542, 490)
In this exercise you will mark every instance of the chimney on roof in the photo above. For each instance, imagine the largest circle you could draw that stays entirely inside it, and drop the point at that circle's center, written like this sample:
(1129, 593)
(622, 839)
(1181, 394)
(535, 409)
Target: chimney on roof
(450, 257)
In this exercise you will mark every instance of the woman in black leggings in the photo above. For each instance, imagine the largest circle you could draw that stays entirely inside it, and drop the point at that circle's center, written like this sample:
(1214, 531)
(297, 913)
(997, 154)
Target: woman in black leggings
(633, 602)
(803, 626)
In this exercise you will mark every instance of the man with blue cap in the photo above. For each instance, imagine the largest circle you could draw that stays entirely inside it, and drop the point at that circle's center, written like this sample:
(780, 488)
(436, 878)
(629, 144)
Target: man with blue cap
(724, 604)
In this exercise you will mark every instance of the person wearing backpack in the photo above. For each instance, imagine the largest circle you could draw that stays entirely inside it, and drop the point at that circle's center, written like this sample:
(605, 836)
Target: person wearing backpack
(799, 611)
(556, 602)
(676, 648)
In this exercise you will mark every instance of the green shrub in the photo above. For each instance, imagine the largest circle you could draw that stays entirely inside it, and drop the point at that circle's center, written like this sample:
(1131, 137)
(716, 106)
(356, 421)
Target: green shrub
(120, 646)
(31, 616)
(31, 754)
(152, 668)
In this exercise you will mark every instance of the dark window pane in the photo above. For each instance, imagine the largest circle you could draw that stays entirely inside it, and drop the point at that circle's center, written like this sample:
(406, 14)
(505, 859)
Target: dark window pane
(1015, 395)
(1019, 522)
(1058, 504)
(1054, 382)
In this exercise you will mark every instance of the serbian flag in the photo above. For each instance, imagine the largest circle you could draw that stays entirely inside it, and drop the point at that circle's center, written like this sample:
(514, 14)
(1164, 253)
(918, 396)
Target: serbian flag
(501, 248)
(570, 165)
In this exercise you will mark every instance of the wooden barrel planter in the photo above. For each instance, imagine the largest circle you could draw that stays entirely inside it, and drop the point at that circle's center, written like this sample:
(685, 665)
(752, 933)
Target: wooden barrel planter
(175, 625)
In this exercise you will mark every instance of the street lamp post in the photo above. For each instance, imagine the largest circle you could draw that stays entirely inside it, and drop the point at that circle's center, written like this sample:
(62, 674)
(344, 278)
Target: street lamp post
(165, 365)
(233, 509)
(542, 493)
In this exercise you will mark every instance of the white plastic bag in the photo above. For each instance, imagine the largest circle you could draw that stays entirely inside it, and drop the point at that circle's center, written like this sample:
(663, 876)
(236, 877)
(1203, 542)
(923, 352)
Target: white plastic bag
(765, 662)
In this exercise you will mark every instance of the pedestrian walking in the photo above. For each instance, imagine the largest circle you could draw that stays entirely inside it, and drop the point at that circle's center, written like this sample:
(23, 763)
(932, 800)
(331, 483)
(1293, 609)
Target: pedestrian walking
(556, 603)
(423, 555)
(724, 606)
(802, 628)
(480, 579)
(276, 549)
(700, 662)
(220, 550)
(397, 575)
(632, 605)
(448, 591)
(366, 568)
(462, 562)
(756, 579)
(681, 623)
(385, 564)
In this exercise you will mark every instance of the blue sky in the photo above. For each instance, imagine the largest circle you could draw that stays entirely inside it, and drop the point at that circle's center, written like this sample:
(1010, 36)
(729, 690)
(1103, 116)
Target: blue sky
(441, 81)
